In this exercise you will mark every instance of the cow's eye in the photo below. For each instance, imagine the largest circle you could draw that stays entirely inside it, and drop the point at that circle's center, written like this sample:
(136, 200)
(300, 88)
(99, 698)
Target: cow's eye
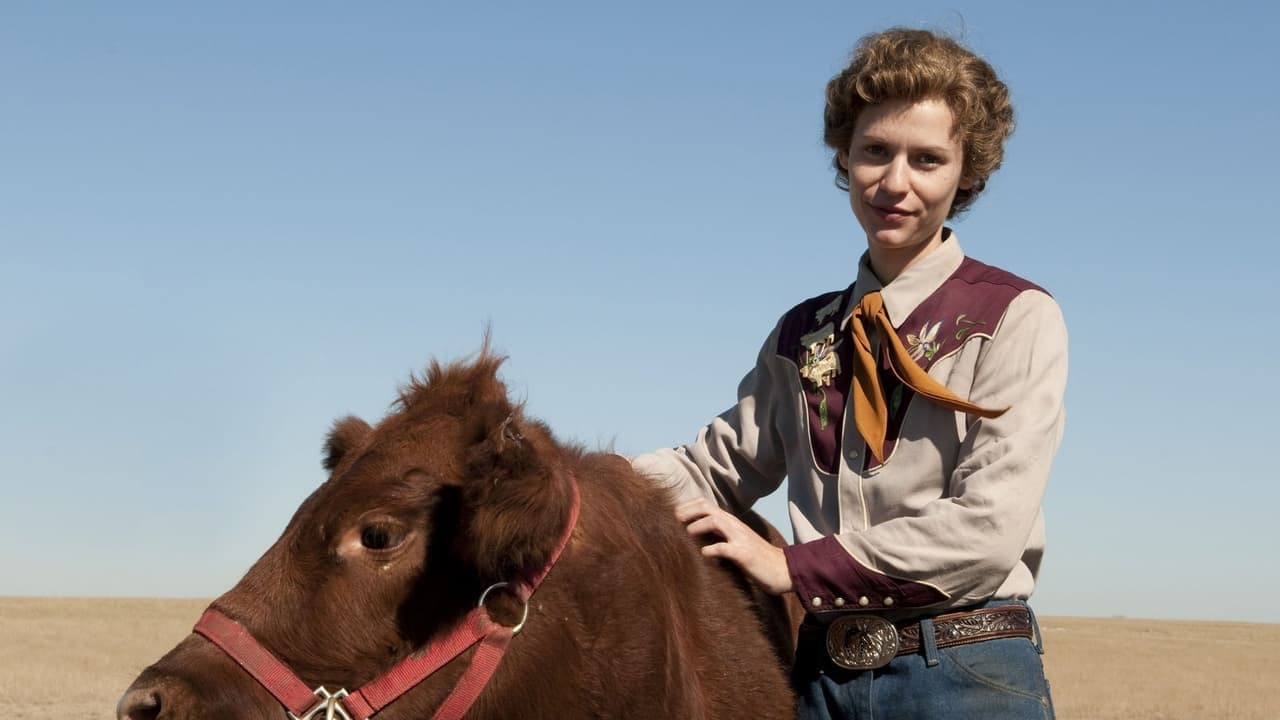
(380, 537)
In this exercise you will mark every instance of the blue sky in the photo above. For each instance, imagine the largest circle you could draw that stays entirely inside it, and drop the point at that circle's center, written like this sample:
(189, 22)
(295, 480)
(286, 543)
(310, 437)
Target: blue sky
(222, 227)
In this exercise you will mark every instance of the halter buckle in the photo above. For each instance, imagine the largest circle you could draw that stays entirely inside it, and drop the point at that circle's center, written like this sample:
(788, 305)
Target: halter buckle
(330, 703)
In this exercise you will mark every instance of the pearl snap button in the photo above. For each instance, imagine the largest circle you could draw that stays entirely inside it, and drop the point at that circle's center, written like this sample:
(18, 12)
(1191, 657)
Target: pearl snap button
(817, 602)
(863, 601)
(839, 602)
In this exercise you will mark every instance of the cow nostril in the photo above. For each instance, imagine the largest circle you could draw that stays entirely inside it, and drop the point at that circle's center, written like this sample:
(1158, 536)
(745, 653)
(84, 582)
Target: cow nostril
(139, 705)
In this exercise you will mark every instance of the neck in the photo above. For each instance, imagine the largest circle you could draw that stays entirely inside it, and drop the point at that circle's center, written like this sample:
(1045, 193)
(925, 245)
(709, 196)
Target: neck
(890, 262)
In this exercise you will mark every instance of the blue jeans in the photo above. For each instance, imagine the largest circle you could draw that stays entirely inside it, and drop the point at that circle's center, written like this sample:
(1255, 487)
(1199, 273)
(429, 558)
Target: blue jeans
(988, 680)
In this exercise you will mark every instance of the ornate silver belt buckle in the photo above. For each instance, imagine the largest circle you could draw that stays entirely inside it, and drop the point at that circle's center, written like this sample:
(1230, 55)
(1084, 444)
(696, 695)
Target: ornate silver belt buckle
(862, 642)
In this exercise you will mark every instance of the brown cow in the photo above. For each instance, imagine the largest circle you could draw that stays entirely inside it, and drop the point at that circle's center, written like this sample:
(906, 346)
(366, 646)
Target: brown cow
(453, 492)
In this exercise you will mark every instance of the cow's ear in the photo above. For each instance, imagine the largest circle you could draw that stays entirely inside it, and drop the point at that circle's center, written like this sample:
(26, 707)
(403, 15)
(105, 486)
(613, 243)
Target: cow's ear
(499, 449)
(517, 502)
(347, 433)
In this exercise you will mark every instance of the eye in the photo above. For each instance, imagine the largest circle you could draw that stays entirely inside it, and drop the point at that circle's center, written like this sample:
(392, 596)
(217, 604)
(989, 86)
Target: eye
(875, 151)
(380, 537)
(928, 160)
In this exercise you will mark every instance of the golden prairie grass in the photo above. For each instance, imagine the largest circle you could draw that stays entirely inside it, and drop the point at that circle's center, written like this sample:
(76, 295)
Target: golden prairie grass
(71, 658)
(1100, 669)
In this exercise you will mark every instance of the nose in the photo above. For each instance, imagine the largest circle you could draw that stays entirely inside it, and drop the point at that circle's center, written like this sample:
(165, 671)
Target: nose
(140, 704)
(157, 696)
(895, 179)
(157, 699)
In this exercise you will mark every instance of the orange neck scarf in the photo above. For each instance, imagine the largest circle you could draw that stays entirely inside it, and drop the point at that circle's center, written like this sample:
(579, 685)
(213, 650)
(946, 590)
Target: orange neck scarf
(870, 411)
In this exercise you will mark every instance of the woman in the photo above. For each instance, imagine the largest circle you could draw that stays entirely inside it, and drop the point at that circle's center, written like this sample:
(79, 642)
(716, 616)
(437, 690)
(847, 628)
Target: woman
(915, 413)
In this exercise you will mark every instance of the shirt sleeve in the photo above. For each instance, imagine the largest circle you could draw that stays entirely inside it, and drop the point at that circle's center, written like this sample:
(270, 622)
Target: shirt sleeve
(964, 546)
(738, 457)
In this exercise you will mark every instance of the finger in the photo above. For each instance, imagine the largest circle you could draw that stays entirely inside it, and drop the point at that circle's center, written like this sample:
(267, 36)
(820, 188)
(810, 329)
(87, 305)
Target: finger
(704, 526)
(694, 508)
(735, 553)
(731, 552)
(722, 550)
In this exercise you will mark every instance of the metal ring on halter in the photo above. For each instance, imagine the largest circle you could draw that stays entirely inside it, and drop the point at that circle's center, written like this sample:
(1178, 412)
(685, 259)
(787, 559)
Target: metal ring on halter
(523, 616)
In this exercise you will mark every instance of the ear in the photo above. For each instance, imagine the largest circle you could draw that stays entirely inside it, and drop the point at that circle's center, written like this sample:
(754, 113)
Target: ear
(347, 433)
(516, 499)
(499, 449)
(967, 183)
(842, 159)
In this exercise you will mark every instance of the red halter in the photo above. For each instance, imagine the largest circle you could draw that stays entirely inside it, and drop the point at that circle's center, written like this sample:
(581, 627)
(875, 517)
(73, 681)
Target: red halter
(476, 627)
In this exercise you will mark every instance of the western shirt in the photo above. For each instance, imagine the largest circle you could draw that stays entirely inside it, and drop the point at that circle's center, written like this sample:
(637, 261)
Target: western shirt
(953, 515)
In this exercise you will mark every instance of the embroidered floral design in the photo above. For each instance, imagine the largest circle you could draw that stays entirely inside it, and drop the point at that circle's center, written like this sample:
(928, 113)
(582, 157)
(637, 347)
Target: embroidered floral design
(964, 327)
(820, 365)
(925, 344)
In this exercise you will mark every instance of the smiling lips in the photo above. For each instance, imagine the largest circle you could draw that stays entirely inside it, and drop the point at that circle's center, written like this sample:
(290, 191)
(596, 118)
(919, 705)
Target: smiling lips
(892, 214)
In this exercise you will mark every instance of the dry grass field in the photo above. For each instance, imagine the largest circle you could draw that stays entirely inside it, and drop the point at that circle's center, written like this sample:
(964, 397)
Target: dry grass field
(71, 658)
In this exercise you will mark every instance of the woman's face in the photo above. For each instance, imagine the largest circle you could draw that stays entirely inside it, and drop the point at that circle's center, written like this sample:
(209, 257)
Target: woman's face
(904, 167)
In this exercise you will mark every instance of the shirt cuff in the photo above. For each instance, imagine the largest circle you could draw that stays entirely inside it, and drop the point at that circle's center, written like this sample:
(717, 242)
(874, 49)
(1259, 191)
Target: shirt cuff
(827, 578)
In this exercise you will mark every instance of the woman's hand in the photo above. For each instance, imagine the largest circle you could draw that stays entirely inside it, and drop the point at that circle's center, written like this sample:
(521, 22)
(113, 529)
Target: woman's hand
(765, 564)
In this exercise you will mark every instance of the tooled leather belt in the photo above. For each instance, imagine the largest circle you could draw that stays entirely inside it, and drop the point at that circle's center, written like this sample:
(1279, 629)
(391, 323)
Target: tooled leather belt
(866, 642)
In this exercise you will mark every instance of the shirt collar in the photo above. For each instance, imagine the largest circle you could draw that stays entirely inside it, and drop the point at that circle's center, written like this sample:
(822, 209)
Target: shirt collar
(920, 280)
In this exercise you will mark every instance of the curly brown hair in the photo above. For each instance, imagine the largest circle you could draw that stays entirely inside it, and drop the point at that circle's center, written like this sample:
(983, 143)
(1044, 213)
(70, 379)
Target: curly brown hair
(913, 65)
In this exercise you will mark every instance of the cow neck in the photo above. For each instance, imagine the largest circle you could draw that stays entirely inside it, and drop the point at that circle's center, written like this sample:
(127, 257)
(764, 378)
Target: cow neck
(475, 628)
